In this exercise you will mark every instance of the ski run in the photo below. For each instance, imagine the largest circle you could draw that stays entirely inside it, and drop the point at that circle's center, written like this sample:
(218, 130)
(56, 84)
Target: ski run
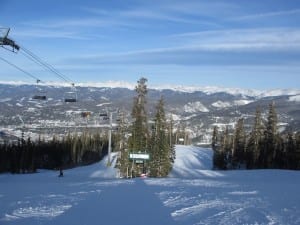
(193, 194)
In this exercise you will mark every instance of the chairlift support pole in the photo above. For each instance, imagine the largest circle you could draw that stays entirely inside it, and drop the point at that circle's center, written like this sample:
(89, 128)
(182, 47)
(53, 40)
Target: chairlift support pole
(109, 140)
(23, 127)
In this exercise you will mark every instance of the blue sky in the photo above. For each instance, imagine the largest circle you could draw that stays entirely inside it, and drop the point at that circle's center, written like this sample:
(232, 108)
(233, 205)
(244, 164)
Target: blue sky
(233, 43)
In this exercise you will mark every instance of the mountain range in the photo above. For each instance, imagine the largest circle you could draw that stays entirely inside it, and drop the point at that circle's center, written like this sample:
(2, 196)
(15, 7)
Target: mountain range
(194, 109)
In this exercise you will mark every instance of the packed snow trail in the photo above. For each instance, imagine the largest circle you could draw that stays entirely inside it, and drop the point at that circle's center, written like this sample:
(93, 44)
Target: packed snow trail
(130, 202)
(192, 195)
(192, 162)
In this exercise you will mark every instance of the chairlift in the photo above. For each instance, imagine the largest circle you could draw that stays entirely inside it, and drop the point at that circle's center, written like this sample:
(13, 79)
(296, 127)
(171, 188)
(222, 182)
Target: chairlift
(104, 116)
(40, 94)
(71, 96)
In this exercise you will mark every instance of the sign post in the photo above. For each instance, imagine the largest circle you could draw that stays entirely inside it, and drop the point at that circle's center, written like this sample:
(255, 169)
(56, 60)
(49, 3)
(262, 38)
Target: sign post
(140, 158)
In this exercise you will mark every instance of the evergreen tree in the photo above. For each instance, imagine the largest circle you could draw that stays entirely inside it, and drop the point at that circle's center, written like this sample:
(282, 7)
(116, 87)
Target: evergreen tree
(218, 153)
(291, 157)
(280, 154)
(239, 144)
(270, 137)
(171, 141)
(227, 149)
(297, 151)
(253, 145)
(160, 162)
(123, 160)
(140, 135)
(214, 142)
(140, 120)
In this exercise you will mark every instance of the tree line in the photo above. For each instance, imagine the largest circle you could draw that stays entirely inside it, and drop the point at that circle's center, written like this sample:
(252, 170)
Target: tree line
(263, 148)
(72, 150)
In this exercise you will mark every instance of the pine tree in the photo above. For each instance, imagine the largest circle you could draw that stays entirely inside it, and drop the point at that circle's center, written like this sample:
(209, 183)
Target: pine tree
(291, 158)
(214, 142)
(140, 135)
(297, 151)
(253, 145)
(280, 154)
(139, 115)
(123, 160)
(270, 137)
(218, 153)
(227, 149)
(239, 144)
(171, 141)
(160, 162)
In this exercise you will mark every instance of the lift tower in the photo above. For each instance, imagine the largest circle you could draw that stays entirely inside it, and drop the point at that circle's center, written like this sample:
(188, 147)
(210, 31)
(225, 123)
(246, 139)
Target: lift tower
(5, 41)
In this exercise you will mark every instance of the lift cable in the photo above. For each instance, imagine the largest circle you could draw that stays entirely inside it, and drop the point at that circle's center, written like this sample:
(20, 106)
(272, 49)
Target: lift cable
(27, 73)
(41, 62)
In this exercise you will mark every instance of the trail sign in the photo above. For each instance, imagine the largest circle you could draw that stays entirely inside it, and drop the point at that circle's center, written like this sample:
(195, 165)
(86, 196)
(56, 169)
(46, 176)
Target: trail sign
(143, 156)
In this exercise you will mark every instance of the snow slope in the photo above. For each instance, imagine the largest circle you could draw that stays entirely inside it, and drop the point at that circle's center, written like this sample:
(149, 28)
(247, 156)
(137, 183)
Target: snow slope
(192, 195)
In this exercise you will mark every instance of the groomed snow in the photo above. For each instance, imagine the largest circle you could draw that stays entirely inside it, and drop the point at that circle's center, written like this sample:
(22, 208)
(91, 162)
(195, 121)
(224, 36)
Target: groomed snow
(192, 195)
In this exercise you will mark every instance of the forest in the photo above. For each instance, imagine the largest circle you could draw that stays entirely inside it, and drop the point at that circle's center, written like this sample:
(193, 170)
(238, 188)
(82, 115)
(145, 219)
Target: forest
(27, 156)
(263, 148)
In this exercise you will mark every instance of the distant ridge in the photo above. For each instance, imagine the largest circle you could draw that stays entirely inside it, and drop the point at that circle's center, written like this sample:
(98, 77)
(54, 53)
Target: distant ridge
(180, 88)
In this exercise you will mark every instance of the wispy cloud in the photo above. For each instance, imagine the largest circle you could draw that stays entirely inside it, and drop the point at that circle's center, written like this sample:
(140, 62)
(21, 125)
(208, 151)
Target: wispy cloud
(193, 55)
(48, 33)
(243, 39)
(268, 14)
(177, 12)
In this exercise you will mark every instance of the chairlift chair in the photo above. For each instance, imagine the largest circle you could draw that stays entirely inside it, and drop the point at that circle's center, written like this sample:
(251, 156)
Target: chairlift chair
(39, 97)
(71, 96)
(40, 94)
(104, 116)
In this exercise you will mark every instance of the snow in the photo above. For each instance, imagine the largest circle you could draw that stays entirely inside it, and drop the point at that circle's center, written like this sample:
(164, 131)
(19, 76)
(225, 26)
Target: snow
(295, 98)
(193, 107)
(242, 102)
(221, 104)
(180, 88)
(193, 194)
(5, 100)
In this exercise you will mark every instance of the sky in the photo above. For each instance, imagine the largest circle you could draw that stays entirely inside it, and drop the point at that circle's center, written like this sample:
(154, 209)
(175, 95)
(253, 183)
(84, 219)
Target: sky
(234, 43)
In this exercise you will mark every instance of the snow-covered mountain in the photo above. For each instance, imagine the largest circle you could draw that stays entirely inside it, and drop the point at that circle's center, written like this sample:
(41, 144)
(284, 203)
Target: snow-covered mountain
(180, 88)
(194, 109)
